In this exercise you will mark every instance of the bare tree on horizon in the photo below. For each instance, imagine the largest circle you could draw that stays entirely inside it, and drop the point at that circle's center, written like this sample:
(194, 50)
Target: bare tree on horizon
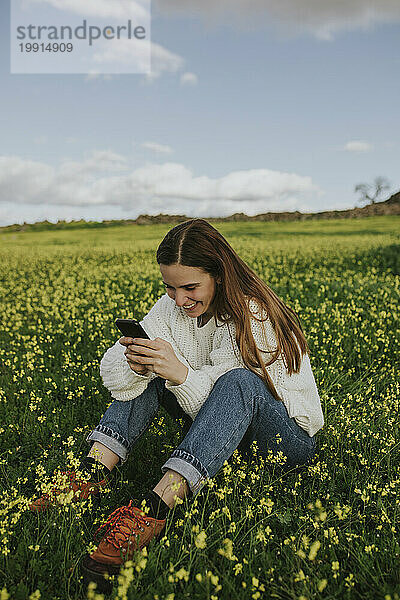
(380, 185)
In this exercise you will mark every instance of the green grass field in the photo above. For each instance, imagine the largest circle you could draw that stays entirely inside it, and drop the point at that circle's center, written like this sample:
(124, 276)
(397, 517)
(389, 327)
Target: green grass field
(330, 531)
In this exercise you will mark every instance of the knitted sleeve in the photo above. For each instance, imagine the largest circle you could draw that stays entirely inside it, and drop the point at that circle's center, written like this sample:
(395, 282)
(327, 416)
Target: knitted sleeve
(123, 383)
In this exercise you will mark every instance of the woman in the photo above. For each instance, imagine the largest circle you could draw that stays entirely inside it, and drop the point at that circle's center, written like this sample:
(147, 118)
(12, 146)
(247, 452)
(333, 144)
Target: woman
(226, 354)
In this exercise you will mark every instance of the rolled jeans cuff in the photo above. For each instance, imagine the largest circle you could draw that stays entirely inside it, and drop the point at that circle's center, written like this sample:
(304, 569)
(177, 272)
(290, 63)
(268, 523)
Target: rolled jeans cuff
(112, 440)
(189, 467)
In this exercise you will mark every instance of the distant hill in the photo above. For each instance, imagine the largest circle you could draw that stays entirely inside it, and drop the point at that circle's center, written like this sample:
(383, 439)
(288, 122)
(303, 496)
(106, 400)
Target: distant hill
(388, 207)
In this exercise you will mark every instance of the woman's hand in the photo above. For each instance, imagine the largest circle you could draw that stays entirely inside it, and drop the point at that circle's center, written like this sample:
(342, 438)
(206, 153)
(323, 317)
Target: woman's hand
(135, 366)
(159, 357)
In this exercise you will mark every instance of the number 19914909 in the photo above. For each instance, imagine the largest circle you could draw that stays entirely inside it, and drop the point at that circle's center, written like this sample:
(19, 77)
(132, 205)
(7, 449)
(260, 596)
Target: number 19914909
(50, 47)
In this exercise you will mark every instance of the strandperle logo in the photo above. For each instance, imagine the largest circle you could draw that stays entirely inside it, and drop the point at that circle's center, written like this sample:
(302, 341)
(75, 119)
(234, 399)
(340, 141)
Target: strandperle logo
(69, 36)
(87, 32)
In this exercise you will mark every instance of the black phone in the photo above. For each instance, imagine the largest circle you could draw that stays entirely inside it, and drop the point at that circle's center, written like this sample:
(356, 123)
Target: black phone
(131, 328)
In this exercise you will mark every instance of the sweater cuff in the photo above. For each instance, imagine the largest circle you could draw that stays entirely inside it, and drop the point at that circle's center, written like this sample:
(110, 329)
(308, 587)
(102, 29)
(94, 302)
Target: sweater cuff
(190, 393)
(116, 372)
(139, 376)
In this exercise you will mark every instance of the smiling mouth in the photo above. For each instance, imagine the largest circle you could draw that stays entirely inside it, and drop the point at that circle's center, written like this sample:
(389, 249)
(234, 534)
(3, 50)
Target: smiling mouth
(189, 306)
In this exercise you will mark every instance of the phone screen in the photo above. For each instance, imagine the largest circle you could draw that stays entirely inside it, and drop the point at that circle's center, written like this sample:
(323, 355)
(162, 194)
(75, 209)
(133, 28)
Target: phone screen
(131, 328)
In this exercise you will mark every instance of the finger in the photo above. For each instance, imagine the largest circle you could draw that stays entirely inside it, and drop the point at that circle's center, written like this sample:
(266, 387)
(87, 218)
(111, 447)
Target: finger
(125, 341)
(132, 357)
(128, 352)
(142, 350)
(143, 360)
(135, 355)
(138, 368)
(134, 363)
(144, 342)
(139, 359)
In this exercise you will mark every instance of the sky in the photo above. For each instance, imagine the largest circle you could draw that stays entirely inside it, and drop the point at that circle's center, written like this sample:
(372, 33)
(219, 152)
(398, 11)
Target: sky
(250, 106)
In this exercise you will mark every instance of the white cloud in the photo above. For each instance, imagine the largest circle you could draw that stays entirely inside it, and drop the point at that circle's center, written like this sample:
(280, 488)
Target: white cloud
(158, 148)
(321, 18)
(98, 161)
(124, 53)
(358, 146)
(164, 61)
(26, 181)
(189, 79)
(16, 173)
(121, 53)
(105, 180)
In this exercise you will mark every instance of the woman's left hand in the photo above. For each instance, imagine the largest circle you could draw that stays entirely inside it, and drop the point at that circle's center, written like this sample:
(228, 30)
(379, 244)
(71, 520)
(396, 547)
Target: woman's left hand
(159, 358)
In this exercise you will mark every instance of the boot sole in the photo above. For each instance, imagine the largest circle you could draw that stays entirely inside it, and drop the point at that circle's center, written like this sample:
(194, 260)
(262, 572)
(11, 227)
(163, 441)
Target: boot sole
(103, 585)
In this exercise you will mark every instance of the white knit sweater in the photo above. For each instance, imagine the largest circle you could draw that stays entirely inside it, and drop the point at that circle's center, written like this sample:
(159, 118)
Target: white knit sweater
(208, 353)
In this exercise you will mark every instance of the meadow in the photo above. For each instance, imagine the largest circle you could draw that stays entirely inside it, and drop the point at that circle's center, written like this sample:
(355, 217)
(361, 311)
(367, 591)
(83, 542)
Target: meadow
(329, 531)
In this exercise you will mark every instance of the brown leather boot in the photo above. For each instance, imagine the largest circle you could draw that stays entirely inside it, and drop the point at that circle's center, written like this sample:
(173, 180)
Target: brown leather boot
(126, 530)
(78, 488)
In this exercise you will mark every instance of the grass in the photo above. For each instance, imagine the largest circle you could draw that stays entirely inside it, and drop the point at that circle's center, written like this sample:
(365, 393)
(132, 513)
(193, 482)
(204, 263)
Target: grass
(330, 531)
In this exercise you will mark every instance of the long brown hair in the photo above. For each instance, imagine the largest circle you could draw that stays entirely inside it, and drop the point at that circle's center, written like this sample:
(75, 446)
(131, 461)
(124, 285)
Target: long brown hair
(196, 243)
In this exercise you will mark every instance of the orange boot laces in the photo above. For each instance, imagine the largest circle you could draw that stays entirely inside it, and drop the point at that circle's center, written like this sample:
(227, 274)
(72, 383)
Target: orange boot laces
(118, 531)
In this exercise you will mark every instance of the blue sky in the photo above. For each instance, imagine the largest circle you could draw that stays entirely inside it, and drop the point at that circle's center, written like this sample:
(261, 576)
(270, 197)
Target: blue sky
(246, 111)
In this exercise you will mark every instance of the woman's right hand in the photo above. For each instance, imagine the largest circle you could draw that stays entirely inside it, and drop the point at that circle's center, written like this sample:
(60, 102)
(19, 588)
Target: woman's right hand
(135, 366)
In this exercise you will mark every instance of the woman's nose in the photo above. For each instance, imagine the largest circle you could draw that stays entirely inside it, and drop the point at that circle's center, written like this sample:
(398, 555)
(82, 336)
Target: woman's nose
(181, 298)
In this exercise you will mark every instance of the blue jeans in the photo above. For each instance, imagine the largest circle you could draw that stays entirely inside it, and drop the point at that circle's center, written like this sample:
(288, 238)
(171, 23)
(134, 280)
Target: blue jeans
(239, 410)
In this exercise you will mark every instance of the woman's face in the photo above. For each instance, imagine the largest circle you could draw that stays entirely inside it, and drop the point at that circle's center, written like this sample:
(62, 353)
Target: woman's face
(192, 288)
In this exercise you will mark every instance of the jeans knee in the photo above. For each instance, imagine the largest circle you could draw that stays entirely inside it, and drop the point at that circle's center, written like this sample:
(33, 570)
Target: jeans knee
(237, 376)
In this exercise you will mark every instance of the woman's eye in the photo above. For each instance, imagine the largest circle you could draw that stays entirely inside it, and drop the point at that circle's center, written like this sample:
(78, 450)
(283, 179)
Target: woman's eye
(171, 288)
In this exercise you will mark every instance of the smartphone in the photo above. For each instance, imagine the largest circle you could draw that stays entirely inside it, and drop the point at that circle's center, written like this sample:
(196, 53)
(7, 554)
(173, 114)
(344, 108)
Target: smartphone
(131, 328)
